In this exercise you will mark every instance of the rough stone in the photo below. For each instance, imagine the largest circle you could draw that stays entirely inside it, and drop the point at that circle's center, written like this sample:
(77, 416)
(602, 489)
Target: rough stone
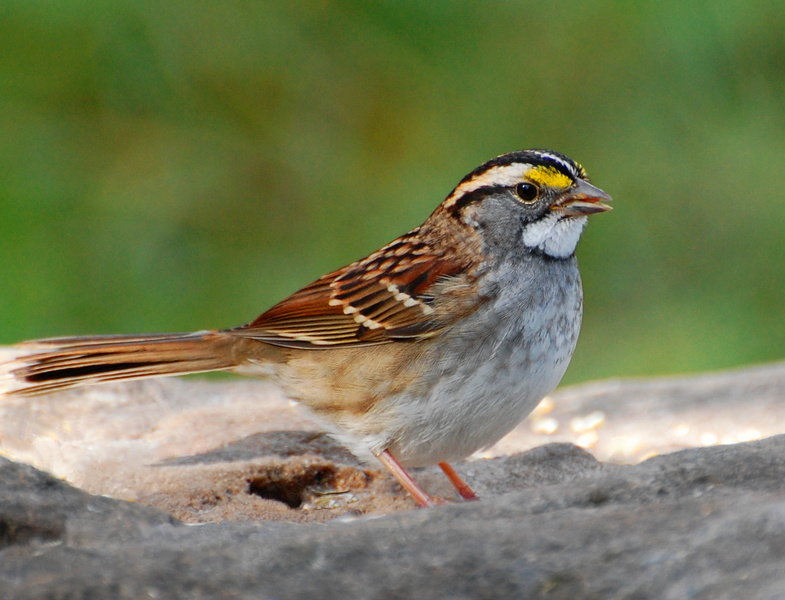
(701, 523)
(275, 509)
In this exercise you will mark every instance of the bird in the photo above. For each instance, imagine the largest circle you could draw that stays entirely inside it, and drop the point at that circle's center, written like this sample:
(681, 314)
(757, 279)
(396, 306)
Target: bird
(427, 350)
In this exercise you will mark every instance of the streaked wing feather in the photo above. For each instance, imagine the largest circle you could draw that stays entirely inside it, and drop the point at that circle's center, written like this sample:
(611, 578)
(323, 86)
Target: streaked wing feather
(385, 297)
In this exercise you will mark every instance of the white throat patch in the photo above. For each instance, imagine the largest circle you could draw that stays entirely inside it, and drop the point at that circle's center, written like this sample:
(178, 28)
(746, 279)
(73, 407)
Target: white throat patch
(554, 236)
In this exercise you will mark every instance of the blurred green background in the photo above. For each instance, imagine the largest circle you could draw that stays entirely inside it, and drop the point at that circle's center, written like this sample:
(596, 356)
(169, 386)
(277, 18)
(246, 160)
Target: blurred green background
(169, 166)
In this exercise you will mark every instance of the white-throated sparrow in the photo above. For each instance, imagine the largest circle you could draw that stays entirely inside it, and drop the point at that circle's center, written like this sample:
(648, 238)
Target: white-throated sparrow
(427, 350)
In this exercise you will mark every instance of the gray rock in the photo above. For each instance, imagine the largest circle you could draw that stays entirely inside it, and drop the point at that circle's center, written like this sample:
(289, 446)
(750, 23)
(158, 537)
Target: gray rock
(275, 509)
(700, 523)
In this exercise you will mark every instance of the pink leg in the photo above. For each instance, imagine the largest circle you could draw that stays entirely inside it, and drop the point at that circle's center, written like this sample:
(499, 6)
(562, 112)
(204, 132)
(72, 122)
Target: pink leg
(409, 484)
(463, 488)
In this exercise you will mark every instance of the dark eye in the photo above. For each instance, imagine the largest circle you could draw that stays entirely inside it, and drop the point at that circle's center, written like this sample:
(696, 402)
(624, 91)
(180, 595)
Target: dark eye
(527, 191)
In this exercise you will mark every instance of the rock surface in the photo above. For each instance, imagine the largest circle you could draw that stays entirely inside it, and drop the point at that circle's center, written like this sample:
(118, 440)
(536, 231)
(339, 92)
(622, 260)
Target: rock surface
(704, 523)
(281, 511)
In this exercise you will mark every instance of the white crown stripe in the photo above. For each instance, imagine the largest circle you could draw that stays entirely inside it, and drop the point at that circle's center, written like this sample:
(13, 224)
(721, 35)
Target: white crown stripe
(558, 159)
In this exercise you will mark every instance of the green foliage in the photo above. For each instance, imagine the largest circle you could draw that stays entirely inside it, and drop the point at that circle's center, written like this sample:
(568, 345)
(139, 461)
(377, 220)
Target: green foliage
(175, 166)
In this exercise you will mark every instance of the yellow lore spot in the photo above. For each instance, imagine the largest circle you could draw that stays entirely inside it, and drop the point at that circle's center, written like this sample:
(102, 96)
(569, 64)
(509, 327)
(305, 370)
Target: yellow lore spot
(549, 177)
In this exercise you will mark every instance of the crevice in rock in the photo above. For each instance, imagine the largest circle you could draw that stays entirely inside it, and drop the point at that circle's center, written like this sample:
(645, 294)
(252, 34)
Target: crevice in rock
(292, 487)
(23, 533)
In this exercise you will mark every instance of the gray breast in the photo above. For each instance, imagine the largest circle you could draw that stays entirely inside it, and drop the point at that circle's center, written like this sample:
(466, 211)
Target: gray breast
(496, 366)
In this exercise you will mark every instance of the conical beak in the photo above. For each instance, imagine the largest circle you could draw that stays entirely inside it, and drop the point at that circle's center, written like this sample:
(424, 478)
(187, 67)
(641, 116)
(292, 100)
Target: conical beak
(581, 200)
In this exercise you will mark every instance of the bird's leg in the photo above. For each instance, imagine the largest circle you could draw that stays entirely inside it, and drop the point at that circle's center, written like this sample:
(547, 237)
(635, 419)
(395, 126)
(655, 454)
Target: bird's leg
(463, 488)
(410, 485)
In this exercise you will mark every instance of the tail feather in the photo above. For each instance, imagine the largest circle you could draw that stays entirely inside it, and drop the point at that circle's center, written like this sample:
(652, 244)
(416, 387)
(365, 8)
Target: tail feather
(60, 363)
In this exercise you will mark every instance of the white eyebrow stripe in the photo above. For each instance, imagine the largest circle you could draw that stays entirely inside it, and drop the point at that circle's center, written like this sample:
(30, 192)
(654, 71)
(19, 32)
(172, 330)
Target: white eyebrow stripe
(495, 176)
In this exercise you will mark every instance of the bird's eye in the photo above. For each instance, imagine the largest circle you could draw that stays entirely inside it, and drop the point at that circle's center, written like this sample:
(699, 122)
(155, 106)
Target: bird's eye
(527, 192)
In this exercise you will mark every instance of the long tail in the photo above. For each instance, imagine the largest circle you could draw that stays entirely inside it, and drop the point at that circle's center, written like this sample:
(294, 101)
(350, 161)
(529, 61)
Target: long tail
(60, 363)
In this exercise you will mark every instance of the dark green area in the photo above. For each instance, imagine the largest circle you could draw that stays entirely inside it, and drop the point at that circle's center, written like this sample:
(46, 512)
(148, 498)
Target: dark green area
(175, 166)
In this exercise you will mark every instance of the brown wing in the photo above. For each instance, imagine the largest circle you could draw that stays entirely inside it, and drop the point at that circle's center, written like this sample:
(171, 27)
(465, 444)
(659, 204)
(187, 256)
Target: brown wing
(385, 297)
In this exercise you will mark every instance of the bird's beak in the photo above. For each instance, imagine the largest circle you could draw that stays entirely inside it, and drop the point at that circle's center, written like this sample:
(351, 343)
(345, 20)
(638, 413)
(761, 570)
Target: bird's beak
(581, 200)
